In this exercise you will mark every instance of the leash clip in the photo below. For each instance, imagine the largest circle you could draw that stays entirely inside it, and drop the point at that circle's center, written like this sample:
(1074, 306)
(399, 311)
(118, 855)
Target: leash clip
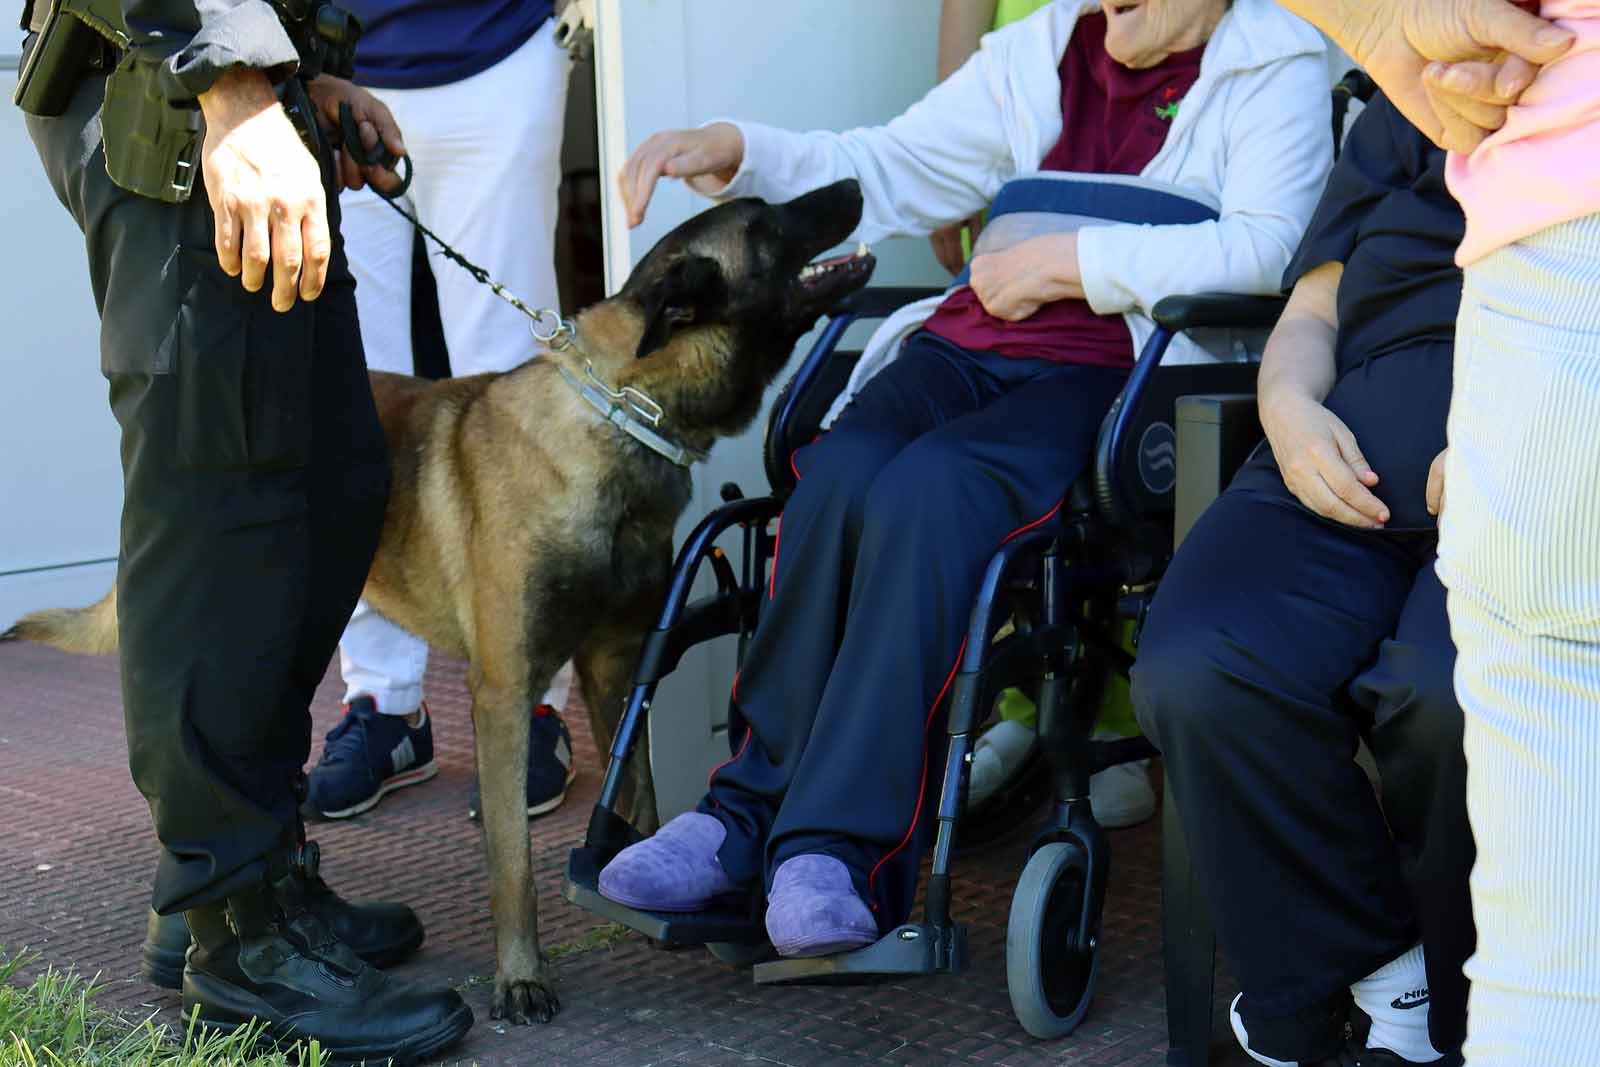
(551, 330)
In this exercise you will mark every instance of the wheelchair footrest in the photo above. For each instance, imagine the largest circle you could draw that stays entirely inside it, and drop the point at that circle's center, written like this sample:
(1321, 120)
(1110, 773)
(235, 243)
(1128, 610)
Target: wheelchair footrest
(728, 920)
(916, 948)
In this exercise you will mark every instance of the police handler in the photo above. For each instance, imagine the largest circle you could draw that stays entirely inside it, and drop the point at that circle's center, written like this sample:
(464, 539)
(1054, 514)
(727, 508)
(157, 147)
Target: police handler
(183, 136)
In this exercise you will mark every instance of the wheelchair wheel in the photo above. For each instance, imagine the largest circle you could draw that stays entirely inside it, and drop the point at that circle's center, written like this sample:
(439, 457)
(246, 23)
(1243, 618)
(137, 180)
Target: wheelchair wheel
(1050, 982)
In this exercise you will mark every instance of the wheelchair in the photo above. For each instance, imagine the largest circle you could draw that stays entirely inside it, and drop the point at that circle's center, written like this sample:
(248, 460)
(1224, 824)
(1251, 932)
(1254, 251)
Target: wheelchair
(1068, 585)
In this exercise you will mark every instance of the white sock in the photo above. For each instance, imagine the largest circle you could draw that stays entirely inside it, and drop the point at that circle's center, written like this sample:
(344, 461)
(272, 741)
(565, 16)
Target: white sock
(1395, 996)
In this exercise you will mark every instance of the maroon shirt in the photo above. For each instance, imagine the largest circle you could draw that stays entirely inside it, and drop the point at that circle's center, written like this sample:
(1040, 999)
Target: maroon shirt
(1113, 121)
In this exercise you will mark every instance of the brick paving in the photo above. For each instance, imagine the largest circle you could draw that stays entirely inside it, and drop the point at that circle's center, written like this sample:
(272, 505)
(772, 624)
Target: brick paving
(77, 850)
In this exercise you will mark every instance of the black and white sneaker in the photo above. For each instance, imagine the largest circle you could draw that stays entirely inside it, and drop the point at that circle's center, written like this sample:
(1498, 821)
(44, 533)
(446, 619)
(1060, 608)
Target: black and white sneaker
(550, 765)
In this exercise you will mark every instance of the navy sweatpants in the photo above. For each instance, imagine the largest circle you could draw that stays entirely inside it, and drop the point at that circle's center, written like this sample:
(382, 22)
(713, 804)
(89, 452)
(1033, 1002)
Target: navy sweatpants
(881, 550)
(1276, 641)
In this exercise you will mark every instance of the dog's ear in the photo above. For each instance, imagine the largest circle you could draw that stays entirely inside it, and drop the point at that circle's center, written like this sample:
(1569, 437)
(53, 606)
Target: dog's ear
(689, 285)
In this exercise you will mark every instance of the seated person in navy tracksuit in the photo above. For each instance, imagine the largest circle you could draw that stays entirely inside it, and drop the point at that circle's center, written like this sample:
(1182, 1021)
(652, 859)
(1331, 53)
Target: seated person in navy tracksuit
(1302, 615)
(979, 424)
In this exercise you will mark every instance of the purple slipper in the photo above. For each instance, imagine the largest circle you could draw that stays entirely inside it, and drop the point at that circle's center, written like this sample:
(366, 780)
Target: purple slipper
(813, 909)
(676, 870)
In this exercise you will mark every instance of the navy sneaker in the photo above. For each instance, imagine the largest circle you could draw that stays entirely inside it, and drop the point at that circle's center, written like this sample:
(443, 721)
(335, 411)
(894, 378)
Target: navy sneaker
(367, 757)
(550, 766)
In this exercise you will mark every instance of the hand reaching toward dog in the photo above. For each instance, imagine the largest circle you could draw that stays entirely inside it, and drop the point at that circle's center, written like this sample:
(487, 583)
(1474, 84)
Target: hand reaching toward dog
(715, 150)
(1015, 283)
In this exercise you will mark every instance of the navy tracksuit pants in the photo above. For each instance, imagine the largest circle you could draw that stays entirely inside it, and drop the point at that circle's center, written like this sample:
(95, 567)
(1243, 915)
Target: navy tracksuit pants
(1277, 641)
(836, 710)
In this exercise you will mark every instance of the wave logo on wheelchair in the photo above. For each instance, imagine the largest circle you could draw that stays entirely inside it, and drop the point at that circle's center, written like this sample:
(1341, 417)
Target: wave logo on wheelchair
(1158, 458)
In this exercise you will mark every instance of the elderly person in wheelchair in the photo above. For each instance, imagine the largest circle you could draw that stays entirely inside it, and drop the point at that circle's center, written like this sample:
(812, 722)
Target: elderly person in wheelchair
(1302, 615)
(1158, 147)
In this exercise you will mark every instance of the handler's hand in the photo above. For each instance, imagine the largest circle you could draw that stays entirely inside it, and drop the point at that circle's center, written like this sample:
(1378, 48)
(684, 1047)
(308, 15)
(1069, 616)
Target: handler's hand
(946, 241)
(1452, 67)
(265, 191)
(1436, 484)
(1321, 463)
(372, 119)
(1015, 283)
(717, 150)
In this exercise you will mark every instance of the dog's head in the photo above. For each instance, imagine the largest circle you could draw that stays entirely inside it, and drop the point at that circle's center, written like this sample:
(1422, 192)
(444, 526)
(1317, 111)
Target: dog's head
(722, 299)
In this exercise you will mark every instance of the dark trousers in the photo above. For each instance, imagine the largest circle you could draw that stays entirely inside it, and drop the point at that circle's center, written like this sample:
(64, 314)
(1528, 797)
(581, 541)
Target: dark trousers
(880, 553)
(255, 476)
(1276, 642)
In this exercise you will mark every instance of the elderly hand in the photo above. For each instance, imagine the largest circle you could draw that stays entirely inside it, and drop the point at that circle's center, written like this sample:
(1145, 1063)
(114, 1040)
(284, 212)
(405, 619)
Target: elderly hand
(1321, 463)
(1436, 484)
(717, 150)
(1452, 67)
(1015, 283)
(265, 191)
(372, 119)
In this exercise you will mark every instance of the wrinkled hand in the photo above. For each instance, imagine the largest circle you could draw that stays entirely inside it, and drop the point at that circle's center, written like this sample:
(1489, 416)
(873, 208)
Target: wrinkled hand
(1321, 463)
(372, 119)
(1436, 484)
(946, 241)
(1015, 283)
(1452, 67)
(717, 150)
(265, 191)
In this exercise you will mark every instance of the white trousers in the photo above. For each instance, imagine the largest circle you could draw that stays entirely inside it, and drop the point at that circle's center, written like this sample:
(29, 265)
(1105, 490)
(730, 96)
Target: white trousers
(487, 153)
(1520, 555)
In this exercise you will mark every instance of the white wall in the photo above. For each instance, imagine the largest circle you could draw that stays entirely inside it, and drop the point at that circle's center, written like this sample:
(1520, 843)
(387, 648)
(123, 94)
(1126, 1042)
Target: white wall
(60, 484)
(807, 64)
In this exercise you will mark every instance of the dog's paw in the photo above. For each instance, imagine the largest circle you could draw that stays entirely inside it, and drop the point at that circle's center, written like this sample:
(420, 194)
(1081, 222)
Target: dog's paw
(521, 1001)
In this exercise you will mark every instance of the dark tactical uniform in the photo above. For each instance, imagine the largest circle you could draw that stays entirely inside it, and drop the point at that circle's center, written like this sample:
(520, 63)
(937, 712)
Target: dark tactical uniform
(255, 477)
(254, 472)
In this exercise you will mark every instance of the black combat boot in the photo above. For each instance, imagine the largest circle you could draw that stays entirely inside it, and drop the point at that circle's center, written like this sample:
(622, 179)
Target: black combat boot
(381, 933)
(267, 956)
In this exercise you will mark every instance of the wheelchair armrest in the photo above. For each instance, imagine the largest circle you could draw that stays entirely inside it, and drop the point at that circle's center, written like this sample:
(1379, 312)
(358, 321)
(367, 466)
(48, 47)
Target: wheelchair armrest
(1198, 310)
(880, 301)
(1216, 434)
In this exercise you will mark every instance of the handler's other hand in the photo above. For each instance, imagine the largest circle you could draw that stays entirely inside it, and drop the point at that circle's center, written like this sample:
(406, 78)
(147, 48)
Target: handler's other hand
(265, 191)
(1321, 463)
(1014, 283)
(1452, 67)
(717, 150)
(1436, 484)
(374, 122)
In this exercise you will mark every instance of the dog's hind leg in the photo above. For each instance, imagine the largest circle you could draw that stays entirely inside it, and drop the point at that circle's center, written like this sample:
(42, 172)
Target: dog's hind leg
(606, 662)
(524, 983)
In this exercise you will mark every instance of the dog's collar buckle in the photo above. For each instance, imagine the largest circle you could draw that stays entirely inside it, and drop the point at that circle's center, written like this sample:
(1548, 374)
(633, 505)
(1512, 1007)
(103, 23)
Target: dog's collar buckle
(631, 411)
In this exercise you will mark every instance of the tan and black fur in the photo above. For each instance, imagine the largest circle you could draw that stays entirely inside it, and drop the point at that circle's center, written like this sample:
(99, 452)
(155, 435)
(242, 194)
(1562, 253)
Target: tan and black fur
(523, 530)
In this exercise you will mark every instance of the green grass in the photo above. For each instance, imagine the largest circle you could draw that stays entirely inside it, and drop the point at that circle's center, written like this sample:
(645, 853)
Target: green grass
(53, 1022)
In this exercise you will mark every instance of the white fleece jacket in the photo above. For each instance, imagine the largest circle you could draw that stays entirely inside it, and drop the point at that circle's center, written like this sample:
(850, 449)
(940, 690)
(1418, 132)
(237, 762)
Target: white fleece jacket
(1252, 133)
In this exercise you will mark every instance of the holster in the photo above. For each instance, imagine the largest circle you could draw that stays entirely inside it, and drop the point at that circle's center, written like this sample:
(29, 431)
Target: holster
(67, 39)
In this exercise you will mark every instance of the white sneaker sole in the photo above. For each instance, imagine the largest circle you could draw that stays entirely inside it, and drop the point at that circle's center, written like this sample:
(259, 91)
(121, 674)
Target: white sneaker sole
(415, 776)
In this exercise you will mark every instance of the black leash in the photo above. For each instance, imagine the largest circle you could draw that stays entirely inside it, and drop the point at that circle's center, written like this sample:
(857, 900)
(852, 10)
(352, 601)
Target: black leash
(380, 156)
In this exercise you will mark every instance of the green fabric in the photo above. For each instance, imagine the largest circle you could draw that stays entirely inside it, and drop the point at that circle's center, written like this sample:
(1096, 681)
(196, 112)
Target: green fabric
(1009, 11)
(1116, 706)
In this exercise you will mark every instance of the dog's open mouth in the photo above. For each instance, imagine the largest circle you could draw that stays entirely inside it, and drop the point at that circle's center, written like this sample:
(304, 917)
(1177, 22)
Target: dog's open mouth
(827, 277)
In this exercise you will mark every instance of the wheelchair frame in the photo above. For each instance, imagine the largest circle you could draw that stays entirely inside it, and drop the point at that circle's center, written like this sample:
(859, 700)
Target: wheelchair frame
(1096, 562)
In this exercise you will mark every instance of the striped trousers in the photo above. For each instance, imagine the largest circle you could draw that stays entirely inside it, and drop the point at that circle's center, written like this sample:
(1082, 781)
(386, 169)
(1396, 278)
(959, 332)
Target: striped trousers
(1519, 552)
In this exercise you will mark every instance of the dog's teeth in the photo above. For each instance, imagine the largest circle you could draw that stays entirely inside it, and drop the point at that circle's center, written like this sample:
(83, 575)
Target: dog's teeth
(861, 248)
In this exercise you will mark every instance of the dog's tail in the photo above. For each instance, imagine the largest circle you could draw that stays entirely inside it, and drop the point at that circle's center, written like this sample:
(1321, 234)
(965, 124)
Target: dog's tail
(90, 631)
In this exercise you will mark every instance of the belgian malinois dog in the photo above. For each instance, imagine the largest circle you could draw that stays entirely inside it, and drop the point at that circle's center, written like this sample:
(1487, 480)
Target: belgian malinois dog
(525, 528)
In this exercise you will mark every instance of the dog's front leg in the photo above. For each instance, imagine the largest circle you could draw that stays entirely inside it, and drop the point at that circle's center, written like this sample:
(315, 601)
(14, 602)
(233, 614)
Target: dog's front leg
(524, 985)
